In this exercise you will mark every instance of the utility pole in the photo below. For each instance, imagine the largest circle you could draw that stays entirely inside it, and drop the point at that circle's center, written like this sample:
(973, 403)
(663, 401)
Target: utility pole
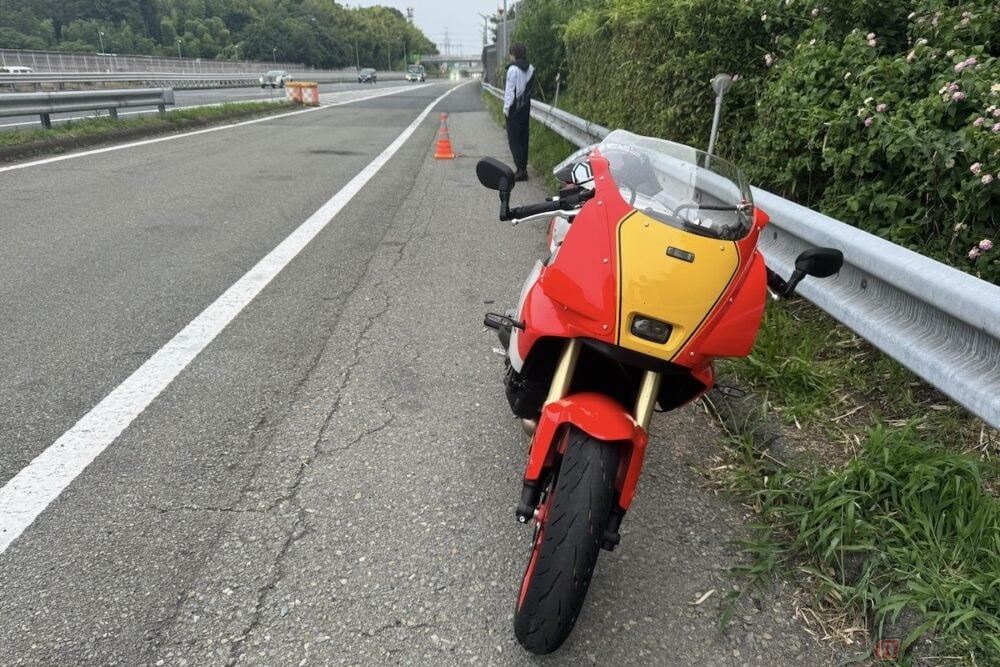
(504, 29)
(357, 58)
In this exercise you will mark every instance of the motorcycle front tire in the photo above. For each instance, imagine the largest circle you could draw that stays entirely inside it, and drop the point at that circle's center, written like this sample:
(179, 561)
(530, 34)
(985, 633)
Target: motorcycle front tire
(569, 531)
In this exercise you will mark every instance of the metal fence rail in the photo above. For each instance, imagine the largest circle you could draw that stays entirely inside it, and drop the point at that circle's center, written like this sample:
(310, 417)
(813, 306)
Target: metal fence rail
(166, 80)
(177, 80)
(44, 104)
(941, 323)
(64, 61)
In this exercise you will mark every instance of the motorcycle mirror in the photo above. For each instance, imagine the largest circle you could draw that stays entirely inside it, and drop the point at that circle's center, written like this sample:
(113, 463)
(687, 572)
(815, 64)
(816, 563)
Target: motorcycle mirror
(565, 174)
(495, 175)
(819, 262)
(815, 262)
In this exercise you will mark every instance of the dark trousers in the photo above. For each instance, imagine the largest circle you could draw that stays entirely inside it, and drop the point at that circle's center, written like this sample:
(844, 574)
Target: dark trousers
(517, 137)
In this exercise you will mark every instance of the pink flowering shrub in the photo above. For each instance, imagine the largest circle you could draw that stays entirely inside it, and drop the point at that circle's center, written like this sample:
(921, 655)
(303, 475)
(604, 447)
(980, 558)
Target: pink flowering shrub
(879, 135)
(900, 146)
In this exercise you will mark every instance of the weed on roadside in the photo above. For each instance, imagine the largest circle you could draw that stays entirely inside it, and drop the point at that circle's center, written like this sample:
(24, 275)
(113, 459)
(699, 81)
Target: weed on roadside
(86, 131)
(889, 520)
(906, 525)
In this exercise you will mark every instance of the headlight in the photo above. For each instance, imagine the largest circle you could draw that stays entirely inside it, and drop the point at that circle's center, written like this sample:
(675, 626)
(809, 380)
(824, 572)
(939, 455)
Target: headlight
(650, 329)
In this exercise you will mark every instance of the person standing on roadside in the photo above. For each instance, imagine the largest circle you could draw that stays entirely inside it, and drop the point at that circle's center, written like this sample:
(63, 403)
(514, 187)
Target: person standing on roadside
(517, 107)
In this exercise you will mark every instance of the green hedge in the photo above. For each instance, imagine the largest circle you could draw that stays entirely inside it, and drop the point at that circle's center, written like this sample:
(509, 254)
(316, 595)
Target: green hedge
(879, 114)
(645, 65)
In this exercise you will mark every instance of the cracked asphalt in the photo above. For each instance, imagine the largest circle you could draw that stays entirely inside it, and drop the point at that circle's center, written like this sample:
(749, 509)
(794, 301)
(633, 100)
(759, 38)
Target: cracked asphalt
(332, 481)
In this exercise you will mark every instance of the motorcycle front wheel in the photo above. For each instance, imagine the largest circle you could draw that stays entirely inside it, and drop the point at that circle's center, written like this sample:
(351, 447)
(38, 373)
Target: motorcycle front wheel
(569, 530)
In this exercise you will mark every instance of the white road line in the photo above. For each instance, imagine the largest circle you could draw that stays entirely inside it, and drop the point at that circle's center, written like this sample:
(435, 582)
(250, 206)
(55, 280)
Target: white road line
(29, 492)
(146, 142)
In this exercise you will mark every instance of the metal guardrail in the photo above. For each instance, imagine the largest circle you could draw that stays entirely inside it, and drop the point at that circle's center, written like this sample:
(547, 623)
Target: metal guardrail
(941, 323)
(66, 61)
(44, 104)
(160, 80)
(176, 80)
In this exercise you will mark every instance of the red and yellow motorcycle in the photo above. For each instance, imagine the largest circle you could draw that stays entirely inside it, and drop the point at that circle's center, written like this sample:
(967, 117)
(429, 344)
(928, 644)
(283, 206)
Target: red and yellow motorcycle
(653, 272)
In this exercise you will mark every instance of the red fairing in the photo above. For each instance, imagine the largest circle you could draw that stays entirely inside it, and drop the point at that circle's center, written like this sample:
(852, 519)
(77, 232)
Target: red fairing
(734, 334)
(600, 417)
(582, 279)
(731, 330)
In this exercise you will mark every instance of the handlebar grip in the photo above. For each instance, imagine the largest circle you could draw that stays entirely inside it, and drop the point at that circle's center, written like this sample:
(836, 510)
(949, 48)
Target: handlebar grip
(534, 209)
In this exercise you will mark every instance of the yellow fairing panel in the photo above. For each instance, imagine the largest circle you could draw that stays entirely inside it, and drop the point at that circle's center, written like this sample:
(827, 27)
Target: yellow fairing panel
(665, 287)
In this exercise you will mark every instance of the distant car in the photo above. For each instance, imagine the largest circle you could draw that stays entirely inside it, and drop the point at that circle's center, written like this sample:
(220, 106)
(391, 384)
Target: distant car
(416, 73)
(367, 75)
(15, 69)
(276, 78)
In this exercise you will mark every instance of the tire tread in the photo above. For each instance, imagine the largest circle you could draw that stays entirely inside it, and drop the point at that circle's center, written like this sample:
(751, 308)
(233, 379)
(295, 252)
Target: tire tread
(581, 504)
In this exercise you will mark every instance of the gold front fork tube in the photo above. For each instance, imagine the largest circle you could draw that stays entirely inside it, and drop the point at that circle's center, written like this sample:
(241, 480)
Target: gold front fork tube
(649, 390)
(564, 371)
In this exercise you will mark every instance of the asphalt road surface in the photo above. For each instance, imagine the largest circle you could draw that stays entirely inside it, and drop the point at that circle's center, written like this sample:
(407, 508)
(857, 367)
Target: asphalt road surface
(328, 476)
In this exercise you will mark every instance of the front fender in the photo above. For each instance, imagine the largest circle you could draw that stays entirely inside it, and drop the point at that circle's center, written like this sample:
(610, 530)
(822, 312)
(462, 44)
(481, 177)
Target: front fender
(599, 417)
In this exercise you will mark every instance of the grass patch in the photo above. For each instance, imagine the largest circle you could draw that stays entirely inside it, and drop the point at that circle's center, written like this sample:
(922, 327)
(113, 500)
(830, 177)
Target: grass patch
(792, 360)
(88, 131)
(906, 525)
(892, 515)
(830, 383)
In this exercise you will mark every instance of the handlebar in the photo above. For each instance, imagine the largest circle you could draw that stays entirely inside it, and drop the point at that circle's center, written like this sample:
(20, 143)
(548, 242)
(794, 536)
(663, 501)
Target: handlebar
(566, 200)
(532, 209)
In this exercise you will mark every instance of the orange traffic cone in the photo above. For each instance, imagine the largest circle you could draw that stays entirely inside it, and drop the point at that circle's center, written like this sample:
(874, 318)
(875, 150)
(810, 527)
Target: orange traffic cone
(444, 151)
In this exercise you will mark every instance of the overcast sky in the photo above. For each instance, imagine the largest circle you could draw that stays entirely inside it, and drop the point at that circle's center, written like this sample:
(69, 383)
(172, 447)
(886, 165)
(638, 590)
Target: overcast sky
(457, 22)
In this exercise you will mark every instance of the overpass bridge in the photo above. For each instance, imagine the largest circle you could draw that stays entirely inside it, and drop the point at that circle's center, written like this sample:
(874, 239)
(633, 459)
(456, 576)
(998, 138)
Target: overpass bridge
(445, 64)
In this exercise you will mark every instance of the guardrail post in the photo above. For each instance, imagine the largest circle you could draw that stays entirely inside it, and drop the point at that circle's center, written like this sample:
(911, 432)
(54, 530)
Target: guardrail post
(162, 109)
(113, 112)
(46, 121)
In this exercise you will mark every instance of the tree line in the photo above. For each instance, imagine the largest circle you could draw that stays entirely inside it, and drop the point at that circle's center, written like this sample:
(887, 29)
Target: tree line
(316, 33)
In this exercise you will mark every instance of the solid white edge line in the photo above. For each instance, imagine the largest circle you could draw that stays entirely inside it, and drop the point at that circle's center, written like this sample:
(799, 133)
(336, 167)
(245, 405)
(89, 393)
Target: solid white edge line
(29, 492)
(147, 142)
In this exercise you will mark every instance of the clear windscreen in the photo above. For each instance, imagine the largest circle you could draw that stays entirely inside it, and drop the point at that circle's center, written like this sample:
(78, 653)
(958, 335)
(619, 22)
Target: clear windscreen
(676, 184)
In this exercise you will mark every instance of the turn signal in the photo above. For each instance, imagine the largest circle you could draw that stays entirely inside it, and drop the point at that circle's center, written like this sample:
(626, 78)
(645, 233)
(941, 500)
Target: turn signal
(650, 329)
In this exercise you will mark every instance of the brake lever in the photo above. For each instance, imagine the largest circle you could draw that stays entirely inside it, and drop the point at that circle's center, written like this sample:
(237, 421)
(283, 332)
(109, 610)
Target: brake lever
(563, 212)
